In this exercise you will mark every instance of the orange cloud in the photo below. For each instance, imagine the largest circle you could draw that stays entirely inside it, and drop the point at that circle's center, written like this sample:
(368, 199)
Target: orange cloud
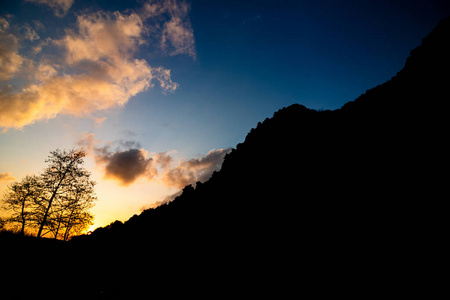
(10, 60)
(99, 72)
(114, 36)
(6, 177)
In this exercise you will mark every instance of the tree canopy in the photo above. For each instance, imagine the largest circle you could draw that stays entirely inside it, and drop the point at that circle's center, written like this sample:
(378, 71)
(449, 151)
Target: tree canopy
(56, 201)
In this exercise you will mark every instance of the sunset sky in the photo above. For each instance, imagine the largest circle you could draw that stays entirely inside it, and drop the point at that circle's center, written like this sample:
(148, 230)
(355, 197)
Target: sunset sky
(157, 92)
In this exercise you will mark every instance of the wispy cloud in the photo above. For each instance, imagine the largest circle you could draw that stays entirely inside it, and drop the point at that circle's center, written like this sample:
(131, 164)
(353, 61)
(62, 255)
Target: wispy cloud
(10, 60)
(59, 7)
(167, 199)
(6, 177)
(196, 169)
(177, 36)
(96, 65)
(129, 162)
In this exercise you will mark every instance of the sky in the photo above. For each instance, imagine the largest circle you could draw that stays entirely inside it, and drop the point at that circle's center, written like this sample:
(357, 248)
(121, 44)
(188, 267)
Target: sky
(157, 92)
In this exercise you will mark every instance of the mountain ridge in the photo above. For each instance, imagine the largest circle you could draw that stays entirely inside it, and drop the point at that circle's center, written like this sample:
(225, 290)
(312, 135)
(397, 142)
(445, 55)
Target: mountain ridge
(350, 147)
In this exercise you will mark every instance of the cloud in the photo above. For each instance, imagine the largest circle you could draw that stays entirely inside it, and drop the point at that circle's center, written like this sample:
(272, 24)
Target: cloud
(99, 71)
(127, 166)
(196, 169)
(180, 35)
(101, 35)
(59, 7)
(10, 60)
(167, 199)
(177, 36)
(163, 160)
(129, 162)
(29, 33)
(6, 177)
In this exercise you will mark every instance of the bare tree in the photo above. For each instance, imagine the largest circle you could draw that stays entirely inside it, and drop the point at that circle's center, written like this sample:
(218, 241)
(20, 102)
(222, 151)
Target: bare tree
(70, 212)
(57, 201)
(63, 176)
(21, 199)
(82, 198)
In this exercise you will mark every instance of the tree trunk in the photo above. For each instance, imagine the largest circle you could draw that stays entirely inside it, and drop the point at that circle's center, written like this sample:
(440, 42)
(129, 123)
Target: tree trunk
(68, 226)
(22, 231)
(57, 228)
(66, 171)
(44, 220)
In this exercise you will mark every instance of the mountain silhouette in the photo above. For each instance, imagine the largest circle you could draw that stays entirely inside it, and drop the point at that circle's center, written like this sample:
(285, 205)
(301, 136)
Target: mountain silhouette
(323, 202)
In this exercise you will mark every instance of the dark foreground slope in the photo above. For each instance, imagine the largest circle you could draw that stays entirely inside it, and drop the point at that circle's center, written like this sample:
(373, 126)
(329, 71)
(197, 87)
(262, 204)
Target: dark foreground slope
(329, 202)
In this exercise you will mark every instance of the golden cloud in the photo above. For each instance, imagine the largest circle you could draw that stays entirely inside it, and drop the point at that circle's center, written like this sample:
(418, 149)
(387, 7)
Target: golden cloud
(6, 177)
(99, 71)
(10, 60)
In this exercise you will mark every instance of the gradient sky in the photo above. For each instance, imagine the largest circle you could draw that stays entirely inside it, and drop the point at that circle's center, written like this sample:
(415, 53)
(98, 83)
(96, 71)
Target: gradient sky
(158, 91)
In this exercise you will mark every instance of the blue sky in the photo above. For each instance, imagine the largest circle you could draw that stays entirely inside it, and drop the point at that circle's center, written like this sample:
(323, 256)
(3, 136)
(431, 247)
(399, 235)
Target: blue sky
(171, 85)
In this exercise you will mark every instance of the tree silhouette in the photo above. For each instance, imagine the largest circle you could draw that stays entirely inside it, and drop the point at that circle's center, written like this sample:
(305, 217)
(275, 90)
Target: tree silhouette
(21, 201)
(57, 201)
(59, 180)
(70, 211)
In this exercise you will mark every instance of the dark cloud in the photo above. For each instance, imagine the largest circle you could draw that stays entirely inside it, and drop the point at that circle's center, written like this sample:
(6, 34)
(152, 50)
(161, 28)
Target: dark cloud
(127, 166)
(129, 162)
